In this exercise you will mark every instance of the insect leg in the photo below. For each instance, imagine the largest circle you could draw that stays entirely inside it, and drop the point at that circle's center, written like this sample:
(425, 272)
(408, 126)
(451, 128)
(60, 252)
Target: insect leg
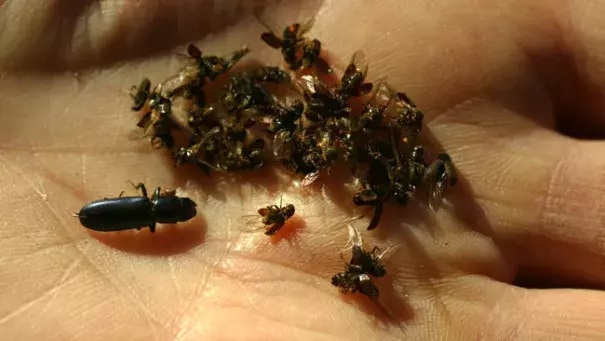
(140, 186)
(156, 194)
(377, 215)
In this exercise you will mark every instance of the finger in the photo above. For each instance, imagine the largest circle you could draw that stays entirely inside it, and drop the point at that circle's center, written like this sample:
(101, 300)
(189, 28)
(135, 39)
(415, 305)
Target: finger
(98, 33)
(568, 59)
(538, 193)
(557, 314)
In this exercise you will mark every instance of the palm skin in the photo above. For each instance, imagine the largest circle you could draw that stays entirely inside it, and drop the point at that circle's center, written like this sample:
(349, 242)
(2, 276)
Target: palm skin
(494, 79)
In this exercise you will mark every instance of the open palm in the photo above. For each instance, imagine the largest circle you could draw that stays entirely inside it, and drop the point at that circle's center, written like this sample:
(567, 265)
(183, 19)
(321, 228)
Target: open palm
(496, 80)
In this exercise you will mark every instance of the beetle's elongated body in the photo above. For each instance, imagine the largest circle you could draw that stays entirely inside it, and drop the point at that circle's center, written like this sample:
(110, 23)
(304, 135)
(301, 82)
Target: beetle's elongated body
(127, 213)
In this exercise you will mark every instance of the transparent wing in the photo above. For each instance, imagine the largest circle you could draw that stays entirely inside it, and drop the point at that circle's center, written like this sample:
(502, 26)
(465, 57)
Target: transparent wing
(279, 145)
(312, 84)
(358, 63)
(266, 25)
(178, 81)
(235, 56)
(307, 83)
(310, 178)
(436, 191)
(250, 223)
(386, 253)
(355, 238)
(383, 93)
(306, 27)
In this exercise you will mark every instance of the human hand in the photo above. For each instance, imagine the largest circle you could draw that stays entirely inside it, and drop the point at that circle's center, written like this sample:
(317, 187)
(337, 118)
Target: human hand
(495, 80)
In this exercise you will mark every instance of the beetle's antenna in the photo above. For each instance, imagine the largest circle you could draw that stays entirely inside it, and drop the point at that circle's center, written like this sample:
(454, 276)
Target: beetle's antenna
(76, 215)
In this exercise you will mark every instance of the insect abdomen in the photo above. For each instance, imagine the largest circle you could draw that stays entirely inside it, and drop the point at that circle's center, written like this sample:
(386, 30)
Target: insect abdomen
(117, 214)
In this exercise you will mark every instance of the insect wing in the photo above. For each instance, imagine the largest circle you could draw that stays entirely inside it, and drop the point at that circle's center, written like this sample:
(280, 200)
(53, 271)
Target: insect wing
(450, 170)
(250, 223)
(383, 94)
(280, 145)
(358, 63)
(185, 77)
(436, 190)
(308, 84)
(355, 238)
(313, 85)
(388, 252)
(310, 178)
(210, 134)
(306, 27)
(235, 56)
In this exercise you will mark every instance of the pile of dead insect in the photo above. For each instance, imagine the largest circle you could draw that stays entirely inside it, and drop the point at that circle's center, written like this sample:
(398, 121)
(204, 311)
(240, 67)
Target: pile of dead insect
(268, 115)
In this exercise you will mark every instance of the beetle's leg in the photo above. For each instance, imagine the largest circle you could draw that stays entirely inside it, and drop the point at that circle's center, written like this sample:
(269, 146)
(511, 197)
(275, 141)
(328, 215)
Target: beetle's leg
(156, 194)
(152, 227)
(121, 193)
(139, 186)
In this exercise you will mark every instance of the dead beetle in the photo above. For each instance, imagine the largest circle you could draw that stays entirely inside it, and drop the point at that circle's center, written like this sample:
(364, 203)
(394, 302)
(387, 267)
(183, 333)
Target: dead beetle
(127, 213)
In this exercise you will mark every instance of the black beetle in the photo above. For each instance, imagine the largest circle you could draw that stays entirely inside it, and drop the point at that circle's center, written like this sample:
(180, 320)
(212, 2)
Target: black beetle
(126, 213)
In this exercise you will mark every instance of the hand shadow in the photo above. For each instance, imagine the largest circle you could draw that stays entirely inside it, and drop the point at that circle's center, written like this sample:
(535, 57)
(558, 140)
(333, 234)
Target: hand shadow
(388, 308)
(165, 241)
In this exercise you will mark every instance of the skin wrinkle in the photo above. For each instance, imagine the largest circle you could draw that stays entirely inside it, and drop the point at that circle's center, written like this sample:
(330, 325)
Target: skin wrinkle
(493, 325)
(279, 322)
(60, 283)
(552, 188)
(261, 313)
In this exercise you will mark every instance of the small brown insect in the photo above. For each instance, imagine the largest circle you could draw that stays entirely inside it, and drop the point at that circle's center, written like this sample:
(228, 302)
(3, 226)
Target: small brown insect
(408, 118)
(362, 266)
(140, 94)
(274, 217)
(298, 51)
(157, 122)
(438, 175)
(352, 83)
